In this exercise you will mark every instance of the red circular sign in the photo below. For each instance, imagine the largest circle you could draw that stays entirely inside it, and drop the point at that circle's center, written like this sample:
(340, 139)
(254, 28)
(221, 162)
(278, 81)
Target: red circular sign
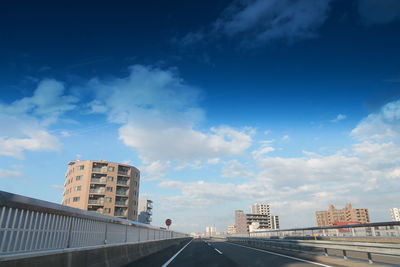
(168, 222)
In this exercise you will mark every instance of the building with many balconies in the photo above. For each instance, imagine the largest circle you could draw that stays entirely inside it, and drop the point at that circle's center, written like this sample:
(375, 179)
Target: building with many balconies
(145, 211)
(347, 215)
(104, 187)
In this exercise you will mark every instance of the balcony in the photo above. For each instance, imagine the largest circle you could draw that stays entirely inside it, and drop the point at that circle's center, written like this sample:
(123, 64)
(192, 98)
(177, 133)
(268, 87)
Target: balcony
(121, 212)
(99, 180)
(120, 203)
(100, 191)
(123, 170)
(122, 181)
(99, 201)
(122, 192)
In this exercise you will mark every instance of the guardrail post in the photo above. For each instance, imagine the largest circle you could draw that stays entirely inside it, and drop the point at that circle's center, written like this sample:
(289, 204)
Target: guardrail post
(370, 258)
(69, 232)
(126, 233)
(326, 252)
(344, 255)
(105, 235)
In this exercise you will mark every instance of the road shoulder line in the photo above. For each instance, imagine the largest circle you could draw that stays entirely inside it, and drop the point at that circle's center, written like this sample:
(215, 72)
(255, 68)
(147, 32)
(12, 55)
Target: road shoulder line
(176, 254)
(282, 255)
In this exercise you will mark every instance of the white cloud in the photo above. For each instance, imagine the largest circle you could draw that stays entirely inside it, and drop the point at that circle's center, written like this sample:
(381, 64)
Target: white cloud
(339, 117)
(200, 194)
(29, 118)
(379, 11)
(9, 174)
(57, 186)
(381, 126)
(159, 116)
(265, 148)
(234, 169)
(286, 138)
(155, 170)
(257, 22)
(214, 161)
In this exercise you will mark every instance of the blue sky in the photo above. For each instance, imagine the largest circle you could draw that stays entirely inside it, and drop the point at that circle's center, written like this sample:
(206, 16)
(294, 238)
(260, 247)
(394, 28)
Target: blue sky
(220, 104)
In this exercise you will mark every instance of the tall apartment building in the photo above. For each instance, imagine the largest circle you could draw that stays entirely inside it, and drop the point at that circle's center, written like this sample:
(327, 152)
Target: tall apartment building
(104, 187)
(260, 217)
(145, 211)
(261, 209)
(210, 231)
(395, 212)
(240, 221)
(345, 215)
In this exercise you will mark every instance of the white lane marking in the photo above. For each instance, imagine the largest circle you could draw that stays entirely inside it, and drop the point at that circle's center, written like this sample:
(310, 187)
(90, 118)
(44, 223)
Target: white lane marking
(173, 257)
(218, 251)
(277, 254)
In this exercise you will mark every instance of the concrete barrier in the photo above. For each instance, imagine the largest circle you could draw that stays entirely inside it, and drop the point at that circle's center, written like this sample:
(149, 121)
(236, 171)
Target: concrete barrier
(110, 255)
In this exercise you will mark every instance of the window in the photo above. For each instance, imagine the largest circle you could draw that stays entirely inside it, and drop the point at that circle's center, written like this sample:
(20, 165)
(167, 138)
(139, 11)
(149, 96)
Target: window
(111, 169)
(110, 178)
(79, 177)
(109, 199)
(107, 210)
(109, 189)
(81, 167)
(77, 188)
(76, 199)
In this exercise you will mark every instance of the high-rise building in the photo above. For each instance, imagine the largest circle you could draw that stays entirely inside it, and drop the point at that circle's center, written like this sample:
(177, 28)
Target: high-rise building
(395, 212)
(145, 211)
(346, 215)
(210, 230)
(104, 187)
(261, 209)
(240, 221)
(260, 218)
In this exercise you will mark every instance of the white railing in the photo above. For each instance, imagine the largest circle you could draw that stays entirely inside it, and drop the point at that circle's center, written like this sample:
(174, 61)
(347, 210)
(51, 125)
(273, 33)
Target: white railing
(31, 225)
(369, 230)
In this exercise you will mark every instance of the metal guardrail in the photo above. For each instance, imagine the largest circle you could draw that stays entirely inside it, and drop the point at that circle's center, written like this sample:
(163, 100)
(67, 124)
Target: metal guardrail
(32, 225)
(380, 229)
(366, 247)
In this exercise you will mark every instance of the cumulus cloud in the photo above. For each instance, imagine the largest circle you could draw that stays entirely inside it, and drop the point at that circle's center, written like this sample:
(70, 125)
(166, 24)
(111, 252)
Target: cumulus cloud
(381, 126)
(367, 174)
(159, 115)
(29, 118)
(155, 170)
(379, 11)
(200, 194)
(234, 169)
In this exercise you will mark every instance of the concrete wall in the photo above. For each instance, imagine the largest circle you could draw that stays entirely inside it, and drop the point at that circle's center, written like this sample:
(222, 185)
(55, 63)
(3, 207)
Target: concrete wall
(97, 257)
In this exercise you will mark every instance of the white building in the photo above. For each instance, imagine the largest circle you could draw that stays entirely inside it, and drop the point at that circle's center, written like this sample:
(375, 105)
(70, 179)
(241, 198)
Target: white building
(263, 209)
(395, 212)
(210, 230)
(145, 211)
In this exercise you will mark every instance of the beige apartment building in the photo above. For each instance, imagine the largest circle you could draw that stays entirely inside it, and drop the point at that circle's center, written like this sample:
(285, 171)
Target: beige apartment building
(104, 187)
(347, 215)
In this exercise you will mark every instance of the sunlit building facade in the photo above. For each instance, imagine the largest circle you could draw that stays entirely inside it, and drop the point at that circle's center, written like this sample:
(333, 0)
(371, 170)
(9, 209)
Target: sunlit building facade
(346, 215)
(104, 187)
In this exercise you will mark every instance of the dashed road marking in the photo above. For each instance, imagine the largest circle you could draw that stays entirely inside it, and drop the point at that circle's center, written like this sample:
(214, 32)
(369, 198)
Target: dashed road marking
(218, 251)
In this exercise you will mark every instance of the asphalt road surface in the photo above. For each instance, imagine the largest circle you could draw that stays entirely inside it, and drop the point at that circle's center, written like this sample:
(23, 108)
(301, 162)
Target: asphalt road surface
(206, 253)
